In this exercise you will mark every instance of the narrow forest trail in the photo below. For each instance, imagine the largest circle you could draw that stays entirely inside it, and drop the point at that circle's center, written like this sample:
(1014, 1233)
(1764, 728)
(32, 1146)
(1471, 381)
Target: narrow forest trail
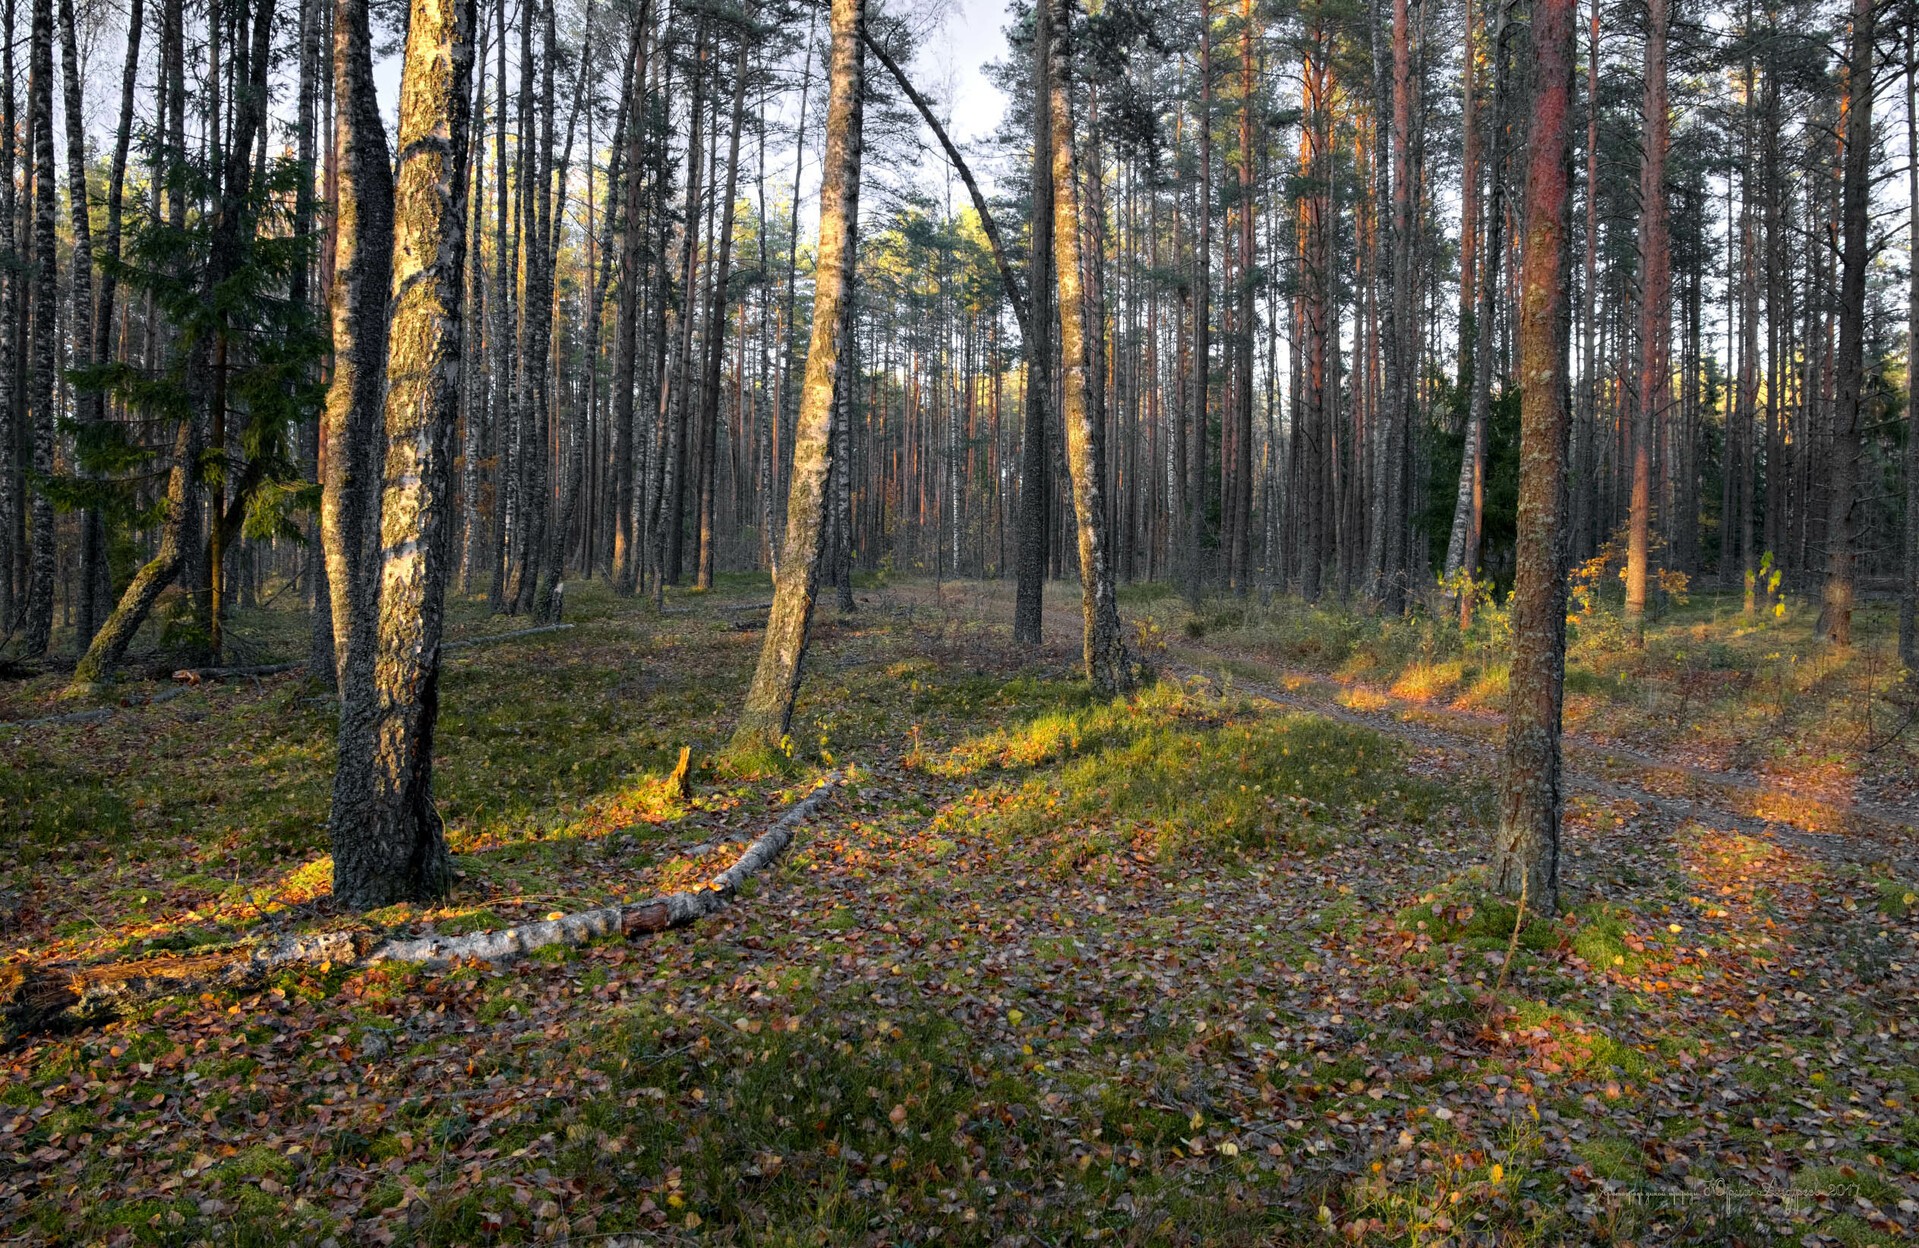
(1852, 830)
(1857, 832)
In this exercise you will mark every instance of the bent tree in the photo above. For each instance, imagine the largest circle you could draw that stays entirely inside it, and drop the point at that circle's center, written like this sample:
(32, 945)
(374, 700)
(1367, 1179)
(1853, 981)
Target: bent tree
(1526, 855)
(769, 701)
(388, 843)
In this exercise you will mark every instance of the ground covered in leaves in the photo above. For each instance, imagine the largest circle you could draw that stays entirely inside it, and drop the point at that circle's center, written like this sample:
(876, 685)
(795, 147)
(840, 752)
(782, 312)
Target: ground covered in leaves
(1194, 966)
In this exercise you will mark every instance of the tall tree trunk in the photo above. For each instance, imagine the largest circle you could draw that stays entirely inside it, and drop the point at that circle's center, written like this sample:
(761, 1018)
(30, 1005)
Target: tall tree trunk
(102, 346)
(1655, 329)
(768, 713)
(46, 343)
(1239, 558)
(12, 376)
(1108, 666)
(1195, 544)
(1526, 856)
(387, 839)
(1842, 536)
(1909, 587)
(1469, 503)
(350, 453)
(1036, 465)
(669, 533)
(544, 541)
(716, 328)
(626, 324)
(88, 405)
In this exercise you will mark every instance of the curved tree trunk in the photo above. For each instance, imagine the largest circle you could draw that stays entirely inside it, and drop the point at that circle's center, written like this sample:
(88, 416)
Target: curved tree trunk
(769, 702)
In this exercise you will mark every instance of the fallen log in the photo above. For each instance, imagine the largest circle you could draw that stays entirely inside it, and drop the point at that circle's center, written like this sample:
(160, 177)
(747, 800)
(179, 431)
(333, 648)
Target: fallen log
(64, 997)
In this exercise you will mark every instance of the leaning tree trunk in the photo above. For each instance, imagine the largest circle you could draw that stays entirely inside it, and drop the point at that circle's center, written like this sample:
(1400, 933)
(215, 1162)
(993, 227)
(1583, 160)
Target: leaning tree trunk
(769, 702)
(1841, 517)
(1655, 266)
(1526, 856)
(230, 226)
(388, 843)
(1107, 663)
(350, 425)
(182, 525)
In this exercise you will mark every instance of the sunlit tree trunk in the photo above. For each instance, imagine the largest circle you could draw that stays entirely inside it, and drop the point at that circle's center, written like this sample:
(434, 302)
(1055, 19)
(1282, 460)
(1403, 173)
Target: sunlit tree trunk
(350, 427)
(1107, 665)
(387, 838)
(1526, 856)
(768, 712)
(1655, 268)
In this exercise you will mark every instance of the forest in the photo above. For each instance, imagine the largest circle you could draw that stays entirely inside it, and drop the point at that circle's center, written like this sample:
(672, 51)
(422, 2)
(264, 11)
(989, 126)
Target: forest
(1247, 622)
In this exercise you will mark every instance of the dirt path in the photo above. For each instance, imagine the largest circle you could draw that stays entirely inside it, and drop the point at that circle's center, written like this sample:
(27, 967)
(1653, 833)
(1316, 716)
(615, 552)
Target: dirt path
(1858, 832)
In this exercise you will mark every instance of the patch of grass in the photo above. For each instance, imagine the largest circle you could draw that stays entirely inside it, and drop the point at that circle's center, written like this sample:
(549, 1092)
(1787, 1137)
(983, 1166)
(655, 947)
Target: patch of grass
(1185, 771)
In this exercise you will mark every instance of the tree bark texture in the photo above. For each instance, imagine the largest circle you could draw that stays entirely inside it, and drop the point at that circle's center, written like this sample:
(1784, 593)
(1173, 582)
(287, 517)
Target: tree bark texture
(388, 843)
(768, 713)
(1526, 856)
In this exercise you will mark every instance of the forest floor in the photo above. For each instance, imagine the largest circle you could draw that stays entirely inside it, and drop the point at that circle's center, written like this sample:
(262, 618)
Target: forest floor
(1207, 965)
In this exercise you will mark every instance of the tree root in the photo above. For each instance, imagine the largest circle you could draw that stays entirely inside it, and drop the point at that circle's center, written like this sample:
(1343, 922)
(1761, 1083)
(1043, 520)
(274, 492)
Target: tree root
(57, 997)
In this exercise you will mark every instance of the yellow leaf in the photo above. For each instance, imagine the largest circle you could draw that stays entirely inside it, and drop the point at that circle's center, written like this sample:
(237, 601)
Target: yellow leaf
(555, 916)
(1499, 1172)
(1015, 1017)
(1228, 1149)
